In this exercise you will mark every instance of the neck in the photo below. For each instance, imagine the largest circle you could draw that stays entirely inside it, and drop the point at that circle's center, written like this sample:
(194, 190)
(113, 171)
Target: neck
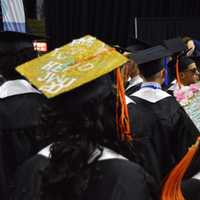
(183, 82)
(154, 81)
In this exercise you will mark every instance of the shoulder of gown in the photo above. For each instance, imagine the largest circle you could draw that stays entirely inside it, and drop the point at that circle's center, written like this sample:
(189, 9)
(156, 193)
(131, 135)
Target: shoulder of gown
(122, 179)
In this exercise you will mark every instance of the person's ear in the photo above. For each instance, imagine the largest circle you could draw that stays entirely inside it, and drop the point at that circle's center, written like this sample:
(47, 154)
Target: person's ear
(182, 75)
(162, 73)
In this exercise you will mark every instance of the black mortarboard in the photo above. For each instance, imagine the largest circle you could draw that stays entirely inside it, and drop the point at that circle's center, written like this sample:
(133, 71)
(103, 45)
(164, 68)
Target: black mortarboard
(150, 54)
(149, 60)
(15, 41)
(175, 45)
(137, 45)
(177, 48)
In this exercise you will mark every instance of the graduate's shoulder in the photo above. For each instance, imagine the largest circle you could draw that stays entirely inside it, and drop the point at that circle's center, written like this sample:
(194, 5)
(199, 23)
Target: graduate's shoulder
(117, 178)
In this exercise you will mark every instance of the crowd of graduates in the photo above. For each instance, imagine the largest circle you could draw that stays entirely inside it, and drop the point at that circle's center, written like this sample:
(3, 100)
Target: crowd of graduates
(121, 135)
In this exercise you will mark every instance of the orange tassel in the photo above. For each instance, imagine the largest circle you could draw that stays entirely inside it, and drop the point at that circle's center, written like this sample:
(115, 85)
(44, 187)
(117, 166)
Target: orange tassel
(177, 74)
(122, 117)
(172, 186)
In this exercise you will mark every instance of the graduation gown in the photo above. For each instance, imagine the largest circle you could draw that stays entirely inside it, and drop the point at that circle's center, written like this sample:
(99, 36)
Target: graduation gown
(133, 85)
(116, 179)
(28, 178)
(121, 180)
(164, 130)
(20, 107)
(172, 87)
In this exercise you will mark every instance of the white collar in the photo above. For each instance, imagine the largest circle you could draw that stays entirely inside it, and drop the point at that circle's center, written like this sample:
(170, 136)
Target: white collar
(134, 81)
(45, 152)
(106, 154)
(150, 94)
(129, 100)
(197, 176)
(174, 86)
(16, 87)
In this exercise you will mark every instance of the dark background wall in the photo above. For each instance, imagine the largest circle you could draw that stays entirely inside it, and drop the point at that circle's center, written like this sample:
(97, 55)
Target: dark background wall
(155, 30)
(30, 8)
(112, 20)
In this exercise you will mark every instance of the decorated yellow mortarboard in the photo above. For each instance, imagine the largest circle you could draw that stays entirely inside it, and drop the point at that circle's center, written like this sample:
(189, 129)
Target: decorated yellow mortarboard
(77, 71)
(71, 66)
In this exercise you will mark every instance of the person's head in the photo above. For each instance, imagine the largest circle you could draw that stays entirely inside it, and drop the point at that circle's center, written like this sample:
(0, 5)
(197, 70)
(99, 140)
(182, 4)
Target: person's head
(133, 69)
(136, 45)
(155, 72)
(83, 107)
(151, 64)
(188, 71)
(189, 44)
(15, 49)
(171, 69)
(78, 122)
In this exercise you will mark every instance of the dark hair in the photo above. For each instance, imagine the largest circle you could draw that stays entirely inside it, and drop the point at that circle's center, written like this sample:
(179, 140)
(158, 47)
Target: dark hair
(76, 137)
(10, 60)
(184, 62)
(150, 69)
(186, 39)
(172, 69)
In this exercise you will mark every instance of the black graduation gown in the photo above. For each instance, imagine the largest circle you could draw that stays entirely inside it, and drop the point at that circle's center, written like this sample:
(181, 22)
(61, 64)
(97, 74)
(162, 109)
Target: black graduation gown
(173, 86)
(121, 180)
(115, 179)
(19, 125)
(28, 178)
(164, 130)
(190, 189)
(133, 89)
(133, 85)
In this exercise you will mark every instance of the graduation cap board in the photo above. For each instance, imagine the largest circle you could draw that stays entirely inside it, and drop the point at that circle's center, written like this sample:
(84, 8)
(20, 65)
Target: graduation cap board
(71, 66)
(150, 54)
(175, 45)
(149, 60)
(137, 45)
